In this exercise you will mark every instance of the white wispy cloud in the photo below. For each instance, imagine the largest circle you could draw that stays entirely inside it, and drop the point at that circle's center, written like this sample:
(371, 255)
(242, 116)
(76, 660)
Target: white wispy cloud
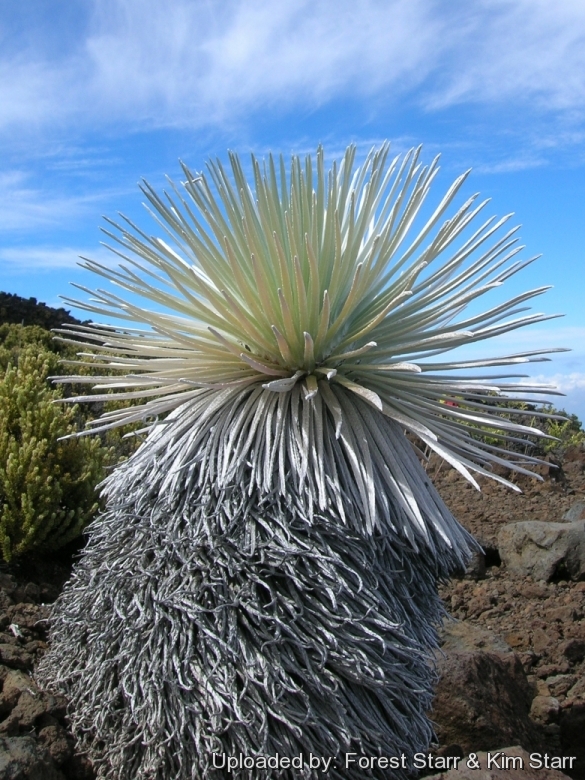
(28, 203)
(516, 49)
(570, 386)
(565, 383)
(521, 162)
(48, 258)
(196, 62)
(187, 61)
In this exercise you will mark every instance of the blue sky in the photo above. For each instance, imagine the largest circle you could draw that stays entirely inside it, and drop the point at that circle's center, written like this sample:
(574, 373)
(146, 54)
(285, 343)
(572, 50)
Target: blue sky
(96, 94)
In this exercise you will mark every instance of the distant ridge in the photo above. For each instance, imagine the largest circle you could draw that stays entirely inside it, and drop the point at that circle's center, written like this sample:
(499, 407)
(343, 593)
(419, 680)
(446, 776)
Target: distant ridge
(28, 311)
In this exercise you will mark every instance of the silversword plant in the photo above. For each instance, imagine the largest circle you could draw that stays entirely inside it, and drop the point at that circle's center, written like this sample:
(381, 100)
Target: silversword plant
(264, 578)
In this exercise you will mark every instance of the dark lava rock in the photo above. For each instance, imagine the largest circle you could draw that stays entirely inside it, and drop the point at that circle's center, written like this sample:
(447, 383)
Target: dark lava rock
(23, 758)
(483, 699)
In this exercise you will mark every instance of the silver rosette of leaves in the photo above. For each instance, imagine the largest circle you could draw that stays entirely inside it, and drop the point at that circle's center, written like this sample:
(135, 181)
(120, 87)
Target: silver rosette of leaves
(263, 580)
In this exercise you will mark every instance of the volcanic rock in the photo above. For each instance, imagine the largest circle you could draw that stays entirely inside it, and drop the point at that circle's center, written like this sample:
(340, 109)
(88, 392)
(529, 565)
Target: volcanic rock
(483, 699)
(23, 758)
(544, 551)
(576, 512)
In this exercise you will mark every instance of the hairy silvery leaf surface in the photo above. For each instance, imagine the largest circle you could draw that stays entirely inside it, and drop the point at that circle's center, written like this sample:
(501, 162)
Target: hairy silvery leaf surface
(213, 618)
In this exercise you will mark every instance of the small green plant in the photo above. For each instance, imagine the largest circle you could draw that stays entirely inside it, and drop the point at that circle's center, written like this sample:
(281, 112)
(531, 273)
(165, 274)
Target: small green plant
(13, 338)
(47, 485)
(567, 432)
(561, 429)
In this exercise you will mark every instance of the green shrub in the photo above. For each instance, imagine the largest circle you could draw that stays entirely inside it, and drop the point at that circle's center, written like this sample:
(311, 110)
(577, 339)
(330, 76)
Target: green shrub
(567, 432)
(13, 338)
(47, 486)
(566, 428)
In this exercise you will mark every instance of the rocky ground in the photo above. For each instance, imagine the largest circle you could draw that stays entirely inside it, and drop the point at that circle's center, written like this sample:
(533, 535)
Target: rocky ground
(34, 741)
(512, 664)
(513, 669)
